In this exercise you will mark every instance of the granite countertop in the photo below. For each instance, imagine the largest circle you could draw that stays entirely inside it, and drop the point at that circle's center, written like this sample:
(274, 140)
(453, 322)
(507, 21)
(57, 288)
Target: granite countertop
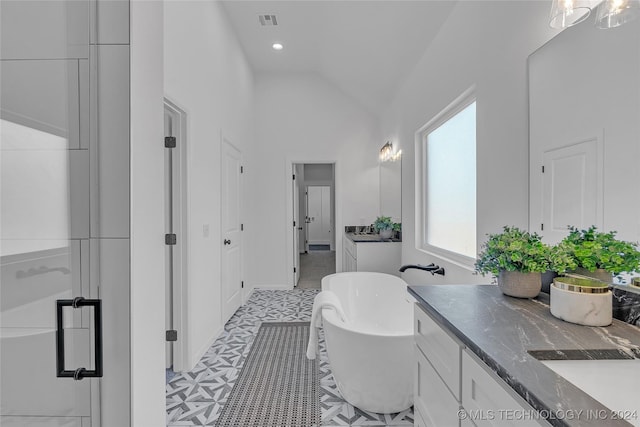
(372, 238)
(502, 330)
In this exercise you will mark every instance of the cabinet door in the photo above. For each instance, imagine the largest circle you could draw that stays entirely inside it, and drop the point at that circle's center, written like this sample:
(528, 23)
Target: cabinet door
(432, 399)
(487, 400)
(442, 351)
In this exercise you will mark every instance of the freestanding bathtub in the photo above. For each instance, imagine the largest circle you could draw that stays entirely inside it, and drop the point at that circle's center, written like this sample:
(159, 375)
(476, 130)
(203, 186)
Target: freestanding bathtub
(371, 353)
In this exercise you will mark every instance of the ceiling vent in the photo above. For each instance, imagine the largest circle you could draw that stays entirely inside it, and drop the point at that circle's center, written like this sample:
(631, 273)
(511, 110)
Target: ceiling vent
(268, 20)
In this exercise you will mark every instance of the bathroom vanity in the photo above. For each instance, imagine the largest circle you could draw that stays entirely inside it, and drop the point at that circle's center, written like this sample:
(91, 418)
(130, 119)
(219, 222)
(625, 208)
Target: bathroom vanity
(484, 359)
(367, 252)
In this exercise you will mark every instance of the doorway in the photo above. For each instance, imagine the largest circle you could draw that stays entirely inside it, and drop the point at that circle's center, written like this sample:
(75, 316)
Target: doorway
(176, 237)
(314, 223)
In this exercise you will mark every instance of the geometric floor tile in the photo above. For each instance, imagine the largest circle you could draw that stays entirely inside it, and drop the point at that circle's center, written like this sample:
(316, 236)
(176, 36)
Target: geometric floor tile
(196, 398)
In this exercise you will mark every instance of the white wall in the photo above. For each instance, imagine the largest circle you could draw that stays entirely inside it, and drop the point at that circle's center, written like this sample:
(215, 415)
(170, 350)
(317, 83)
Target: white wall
(207, 75)
(486, 44)
(147, 223)
(302, 118)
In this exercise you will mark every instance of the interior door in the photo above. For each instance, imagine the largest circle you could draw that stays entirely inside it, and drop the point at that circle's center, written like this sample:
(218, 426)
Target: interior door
(296, 227)
(570, 182)
(319, 215)
(231, 229)
(50, 326)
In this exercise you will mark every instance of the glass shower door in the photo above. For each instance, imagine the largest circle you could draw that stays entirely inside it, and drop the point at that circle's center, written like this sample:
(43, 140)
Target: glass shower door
(44, 222)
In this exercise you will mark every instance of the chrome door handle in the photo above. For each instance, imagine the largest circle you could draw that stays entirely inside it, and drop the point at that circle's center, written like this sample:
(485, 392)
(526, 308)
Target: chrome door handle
(79, 373)
(227, 241)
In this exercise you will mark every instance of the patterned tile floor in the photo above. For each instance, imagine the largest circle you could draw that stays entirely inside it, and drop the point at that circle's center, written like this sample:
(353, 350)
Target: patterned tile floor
(195, 398)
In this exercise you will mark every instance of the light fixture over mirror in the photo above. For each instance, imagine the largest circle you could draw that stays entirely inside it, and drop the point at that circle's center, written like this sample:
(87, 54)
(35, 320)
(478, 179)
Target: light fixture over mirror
(565, 13)
(388, 153)
(613, 13)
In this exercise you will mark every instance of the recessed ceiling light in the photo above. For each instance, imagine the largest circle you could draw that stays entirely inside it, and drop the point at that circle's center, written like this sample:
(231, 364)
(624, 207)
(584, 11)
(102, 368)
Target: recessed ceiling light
(277, 46)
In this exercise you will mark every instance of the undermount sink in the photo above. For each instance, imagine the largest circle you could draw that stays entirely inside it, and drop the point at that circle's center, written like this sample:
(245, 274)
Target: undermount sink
(614, 383)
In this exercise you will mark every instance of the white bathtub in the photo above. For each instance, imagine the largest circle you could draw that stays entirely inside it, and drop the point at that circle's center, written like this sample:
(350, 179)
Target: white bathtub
(371, 354)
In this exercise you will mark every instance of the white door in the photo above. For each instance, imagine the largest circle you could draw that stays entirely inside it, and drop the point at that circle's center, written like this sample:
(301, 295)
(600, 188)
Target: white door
(570, 188)
(231, 230)
(319, 215)
(296, 227)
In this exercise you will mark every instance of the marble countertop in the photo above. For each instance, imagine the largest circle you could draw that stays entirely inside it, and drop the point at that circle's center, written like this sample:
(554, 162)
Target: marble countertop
(366, 238)
(502, 330)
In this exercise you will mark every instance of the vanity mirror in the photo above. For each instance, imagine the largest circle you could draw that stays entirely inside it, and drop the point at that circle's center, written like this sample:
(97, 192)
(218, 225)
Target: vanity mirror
(584, 110)
(391, 189)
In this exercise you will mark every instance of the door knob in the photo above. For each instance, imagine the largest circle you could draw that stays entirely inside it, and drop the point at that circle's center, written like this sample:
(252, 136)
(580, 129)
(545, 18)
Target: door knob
(227, 241)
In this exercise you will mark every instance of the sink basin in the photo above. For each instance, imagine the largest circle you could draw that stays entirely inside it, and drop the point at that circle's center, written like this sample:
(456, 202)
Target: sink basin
(614, 383)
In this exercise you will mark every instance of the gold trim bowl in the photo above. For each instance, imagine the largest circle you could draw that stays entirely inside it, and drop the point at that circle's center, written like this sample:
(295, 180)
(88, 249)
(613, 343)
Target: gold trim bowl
(581, 285)
(581, 301)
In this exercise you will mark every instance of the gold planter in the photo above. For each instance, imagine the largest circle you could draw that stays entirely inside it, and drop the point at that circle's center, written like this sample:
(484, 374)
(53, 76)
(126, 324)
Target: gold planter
(520, 285)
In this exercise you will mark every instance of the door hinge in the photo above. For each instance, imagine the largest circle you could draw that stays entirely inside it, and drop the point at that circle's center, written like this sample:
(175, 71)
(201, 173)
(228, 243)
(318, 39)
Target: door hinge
(241, 227)
(541, 226)
(241, 169)
(543, 169)
(294, 223)
(170, 239)
(170, 142)
(294, 270)
(172, 335)
(294, 176)
(242, 284)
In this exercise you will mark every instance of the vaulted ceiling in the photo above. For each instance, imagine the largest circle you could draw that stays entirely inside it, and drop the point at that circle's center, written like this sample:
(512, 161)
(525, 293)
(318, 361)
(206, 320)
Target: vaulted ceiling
(365, 48)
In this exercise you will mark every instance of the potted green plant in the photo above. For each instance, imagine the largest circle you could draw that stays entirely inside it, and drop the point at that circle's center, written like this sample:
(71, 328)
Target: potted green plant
(384, 226)
(601, 255)
(518, 258)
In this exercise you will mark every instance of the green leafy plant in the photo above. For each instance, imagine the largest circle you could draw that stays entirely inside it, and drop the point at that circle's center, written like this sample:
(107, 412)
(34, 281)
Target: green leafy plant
(519, 250)
(397, 226)
(383, 223)
(592, 250)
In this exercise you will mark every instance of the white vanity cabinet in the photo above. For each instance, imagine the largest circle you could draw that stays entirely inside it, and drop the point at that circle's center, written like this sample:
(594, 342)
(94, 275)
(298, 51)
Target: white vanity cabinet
(349, 255)
(380, 257)
(455, 388)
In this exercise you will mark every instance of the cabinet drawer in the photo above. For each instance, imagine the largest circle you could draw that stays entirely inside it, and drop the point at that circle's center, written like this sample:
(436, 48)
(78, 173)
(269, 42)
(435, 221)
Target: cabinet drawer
(489, 400)
(433, 402)
(440, 348)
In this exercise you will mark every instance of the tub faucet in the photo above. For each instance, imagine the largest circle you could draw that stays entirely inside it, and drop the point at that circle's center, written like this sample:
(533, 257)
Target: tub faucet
(431, 268)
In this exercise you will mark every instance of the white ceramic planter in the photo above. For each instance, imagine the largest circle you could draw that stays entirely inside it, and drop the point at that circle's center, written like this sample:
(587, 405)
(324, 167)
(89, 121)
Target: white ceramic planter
(582, 308)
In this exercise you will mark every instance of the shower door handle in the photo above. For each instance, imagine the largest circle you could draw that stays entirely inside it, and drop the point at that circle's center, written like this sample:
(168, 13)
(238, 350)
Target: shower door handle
(81, 372)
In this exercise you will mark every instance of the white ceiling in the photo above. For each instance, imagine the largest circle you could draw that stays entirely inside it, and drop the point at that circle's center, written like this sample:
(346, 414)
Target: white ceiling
(365, 48)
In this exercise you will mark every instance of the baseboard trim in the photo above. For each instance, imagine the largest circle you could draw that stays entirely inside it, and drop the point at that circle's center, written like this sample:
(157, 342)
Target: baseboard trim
(274, 287)
(196, 357)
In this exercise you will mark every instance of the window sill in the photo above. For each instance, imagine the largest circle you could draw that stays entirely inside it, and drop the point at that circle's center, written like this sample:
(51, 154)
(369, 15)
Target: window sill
(461, 261)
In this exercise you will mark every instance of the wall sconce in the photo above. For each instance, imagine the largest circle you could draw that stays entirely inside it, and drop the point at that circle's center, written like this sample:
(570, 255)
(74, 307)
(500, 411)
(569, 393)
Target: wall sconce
(388, 153)
(566, 13)
(613, 13)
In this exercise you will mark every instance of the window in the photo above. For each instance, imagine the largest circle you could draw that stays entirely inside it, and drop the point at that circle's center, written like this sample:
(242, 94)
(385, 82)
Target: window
(449, 182)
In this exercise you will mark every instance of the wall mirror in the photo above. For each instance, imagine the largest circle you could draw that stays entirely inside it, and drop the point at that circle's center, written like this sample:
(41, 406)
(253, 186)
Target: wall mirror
(391, 189)
(584, 105)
